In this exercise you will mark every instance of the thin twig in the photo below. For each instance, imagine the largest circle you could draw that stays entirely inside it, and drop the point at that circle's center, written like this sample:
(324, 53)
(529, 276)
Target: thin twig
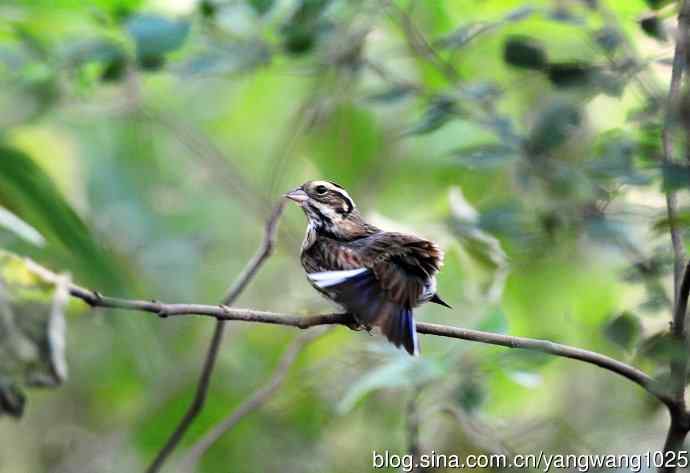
(232, 294)
(679, 425)
(419, 45)
(667, 143)
(222, 312)
(252, 403)
(412, 428)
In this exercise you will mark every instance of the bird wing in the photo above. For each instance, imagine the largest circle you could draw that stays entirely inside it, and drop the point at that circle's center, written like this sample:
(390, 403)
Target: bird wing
(395, 273)
(404, 265)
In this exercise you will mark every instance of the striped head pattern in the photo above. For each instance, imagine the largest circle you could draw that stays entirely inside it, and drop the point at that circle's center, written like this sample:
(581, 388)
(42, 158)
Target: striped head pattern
(330, 209)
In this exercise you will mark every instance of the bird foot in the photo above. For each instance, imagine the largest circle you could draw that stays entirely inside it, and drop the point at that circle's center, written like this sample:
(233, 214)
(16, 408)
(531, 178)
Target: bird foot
(353, 324)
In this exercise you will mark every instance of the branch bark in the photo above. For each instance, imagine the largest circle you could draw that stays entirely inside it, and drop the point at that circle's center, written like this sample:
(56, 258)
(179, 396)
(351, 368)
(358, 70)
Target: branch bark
(680, 423)
(212, 354)
(223, 312)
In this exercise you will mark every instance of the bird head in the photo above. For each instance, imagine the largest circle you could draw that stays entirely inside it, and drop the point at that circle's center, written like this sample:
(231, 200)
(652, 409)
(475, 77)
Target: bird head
(329, 209)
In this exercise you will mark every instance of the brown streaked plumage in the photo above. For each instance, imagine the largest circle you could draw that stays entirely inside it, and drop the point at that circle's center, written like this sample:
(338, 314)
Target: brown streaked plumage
(377, 276)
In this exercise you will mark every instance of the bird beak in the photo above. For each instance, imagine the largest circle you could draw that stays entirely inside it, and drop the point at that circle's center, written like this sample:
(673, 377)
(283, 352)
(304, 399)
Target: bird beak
(298, 195)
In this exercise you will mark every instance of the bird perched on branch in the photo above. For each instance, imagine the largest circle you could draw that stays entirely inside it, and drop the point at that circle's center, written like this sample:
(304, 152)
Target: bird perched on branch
(377, 276)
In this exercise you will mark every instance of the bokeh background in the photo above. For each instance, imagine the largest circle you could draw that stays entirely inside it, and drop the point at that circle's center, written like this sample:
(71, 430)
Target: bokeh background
(144, 142)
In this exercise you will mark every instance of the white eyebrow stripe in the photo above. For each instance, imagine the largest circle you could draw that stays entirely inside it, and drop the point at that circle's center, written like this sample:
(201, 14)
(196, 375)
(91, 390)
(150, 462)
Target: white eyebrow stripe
(344, 193)
(337, 189)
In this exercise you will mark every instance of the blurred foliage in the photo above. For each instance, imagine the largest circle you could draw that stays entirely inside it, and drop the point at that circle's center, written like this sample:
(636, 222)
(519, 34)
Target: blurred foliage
(143, 142)
(32, 332)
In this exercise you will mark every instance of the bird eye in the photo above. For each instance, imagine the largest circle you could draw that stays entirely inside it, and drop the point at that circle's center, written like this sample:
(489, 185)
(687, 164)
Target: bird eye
(321, 189)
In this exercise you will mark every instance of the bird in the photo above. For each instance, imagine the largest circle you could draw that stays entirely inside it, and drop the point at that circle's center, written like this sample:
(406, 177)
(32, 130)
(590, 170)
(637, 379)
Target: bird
(378, 277)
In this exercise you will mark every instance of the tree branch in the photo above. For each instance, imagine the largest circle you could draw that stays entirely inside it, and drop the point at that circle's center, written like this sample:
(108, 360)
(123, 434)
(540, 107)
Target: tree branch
(679, 424)
(254, 402)
(232, 294)
(223, 312)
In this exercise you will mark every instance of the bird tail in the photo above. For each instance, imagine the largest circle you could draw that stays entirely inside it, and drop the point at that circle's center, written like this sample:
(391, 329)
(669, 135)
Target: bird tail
(361, 294)
(400, 329)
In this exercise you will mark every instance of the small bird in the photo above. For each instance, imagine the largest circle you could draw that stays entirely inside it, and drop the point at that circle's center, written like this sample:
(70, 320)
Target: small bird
(377, 276)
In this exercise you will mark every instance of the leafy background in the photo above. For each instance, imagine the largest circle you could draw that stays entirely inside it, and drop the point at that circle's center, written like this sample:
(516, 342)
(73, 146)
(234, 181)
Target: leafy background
(142, 144)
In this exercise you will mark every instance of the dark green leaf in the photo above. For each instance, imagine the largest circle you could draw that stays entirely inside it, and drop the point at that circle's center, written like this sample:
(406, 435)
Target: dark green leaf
(615, 160)
(151, 62)
(301, 31)
(261, 6)
(208, 8)
(564, 15)
(466, 33)
(624, 330)
(32, 334)
(608, 38)
(658, 4)
(662, 347)
(519, 13)
(299, 41)
(553, 127)
(570, 74)
(156, 36)
(663, 223)
(401, 371)
(524, 52)
(471, 393)
(392, 94)
(653, 27)
(239, 57)
(12, 399)
(114, 70)
(486, 155)
(440, 111)
(30, 193)
(676, 176)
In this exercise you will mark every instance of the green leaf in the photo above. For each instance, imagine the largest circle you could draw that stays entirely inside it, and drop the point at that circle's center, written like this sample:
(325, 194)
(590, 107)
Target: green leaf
(624, 330)
(391, 94)
(441, 110)
(483, 248)
(261, 6)
(208, 8)
(675, 176)
(29, 193)
(653, 27)
(403, 371)
(658, 4)
(238, 57)
(486, 156)
(155, 36)
(608, 38)
(570, 74)
(554, 125)
(524, 52)
(471, 393)
(662, 347)
(301, 31)
(12, 399)
(20, 228)
(32, 331)
(466, 33)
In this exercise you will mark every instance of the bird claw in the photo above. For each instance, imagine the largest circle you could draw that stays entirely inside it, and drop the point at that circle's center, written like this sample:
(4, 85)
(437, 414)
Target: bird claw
(358, 327)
